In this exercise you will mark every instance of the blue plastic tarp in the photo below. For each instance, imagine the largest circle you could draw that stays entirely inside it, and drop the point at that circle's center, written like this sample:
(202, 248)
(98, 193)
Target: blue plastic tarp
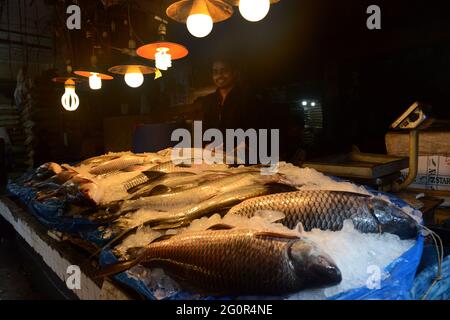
(423, 283)
(50, 213)
(395, 287)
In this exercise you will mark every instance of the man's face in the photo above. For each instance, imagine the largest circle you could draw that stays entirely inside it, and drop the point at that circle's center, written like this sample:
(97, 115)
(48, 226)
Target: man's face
(223, 75)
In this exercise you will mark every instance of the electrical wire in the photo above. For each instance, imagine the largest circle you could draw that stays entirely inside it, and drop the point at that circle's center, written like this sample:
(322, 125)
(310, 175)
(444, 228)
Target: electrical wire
(9, 39)
(21, 30)
(26, 32)
(130, 25)
(38, 54)
(440, 257)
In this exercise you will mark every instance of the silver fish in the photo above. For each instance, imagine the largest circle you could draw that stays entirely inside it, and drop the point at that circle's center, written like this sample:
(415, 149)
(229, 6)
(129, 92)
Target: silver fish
(118, 164)
(183, 216)
(189, 166)
(142, 178)
(238, 262)
(327, 210)
(166, 167)
(95, 161)
(174, 180)
(204, 191)
(218, 203)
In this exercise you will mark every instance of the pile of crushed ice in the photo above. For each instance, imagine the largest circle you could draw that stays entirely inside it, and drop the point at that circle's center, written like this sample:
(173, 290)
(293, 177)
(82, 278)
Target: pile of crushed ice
(360, 257)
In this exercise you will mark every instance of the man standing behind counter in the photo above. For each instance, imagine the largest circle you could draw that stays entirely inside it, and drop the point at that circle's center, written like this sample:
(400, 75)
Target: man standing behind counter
(230, 106)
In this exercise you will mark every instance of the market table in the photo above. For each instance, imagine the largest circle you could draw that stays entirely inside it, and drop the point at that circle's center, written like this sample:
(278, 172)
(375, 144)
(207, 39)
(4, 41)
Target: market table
(58, 255)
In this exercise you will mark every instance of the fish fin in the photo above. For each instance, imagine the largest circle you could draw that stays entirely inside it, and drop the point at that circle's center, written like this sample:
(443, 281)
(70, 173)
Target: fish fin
(184, 165)
(356, 194)
(134, 252)
(117, 238)
(168, 226)
(158, 190)
(116, 268)
(268, 234)
(162, 238)
(113, 207)
(221, 226)
(280, 188)
(152, 175)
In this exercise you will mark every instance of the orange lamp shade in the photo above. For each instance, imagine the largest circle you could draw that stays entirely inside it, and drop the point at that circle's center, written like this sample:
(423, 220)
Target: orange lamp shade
(124, 69)
(148, 51)
(65, 79)
(87, 74)
(236, 2)
(219, 10)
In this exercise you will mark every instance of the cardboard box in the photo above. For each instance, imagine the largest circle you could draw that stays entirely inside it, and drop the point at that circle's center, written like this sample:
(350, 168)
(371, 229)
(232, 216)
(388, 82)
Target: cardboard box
(433, 173)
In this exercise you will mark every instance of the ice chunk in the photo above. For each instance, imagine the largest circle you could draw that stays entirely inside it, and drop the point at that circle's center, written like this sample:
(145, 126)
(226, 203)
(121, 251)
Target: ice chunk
(142, 237)
(359, 256)
(160, 284)
(310, 179)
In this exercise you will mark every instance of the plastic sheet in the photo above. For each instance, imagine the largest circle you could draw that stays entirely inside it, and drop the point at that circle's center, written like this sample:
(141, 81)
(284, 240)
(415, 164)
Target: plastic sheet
(50, 213)
(395, 287)
(423, 282)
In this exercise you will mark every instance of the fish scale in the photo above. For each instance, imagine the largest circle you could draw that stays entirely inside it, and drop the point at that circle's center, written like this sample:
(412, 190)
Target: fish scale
(227, 261)
(326, 210)
(136, 181)
(117, 164)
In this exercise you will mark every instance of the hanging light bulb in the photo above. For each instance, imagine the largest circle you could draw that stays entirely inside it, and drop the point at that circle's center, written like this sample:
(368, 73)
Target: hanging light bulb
(95, 82)
(163, 59)
(199, 25)
(199, 22)
(95, 74)
(254, 10)
(200, 15)
(132, 69)
(134, 78)
(70, 100)
(162, 51)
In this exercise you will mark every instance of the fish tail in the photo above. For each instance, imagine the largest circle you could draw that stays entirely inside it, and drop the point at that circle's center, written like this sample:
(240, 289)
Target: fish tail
(120, 236)
(117, 268)
(161, 222)
(117, 238)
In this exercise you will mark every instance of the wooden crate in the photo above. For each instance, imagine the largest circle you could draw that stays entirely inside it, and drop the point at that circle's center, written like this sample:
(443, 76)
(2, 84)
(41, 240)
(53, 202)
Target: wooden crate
(431, 143)
(359, 165)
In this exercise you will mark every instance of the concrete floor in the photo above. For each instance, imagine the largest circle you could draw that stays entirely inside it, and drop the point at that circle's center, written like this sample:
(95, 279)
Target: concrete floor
(15, 280)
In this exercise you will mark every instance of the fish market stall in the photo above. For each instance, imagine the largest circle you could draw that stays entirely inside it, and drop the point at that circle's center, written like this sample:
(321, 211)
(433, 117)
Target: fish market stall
(172, 230)
(211, 150)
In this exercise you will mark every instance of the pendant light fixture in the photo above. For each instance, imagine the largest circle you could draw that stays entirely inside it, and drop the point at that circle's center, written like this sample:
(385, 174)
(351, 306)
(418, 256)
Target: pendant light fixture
(69, 100)
(94, 74)
(132, 70)
(253, 10)
(200, 15)
(162, 52)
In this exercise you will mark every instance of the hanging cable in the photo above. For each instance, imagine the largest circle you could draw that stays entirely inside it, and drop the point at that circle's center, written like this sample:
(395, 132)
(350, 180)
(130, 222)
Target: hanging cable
(9, 39)
(36, 25)
(440, 257)
(25, 12)
(21, 31)
(130, 25)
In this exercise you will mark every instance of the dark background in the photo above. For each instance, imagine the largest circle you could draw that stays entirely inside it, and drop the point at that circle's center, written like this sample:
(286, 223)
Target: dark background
(318, 49)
